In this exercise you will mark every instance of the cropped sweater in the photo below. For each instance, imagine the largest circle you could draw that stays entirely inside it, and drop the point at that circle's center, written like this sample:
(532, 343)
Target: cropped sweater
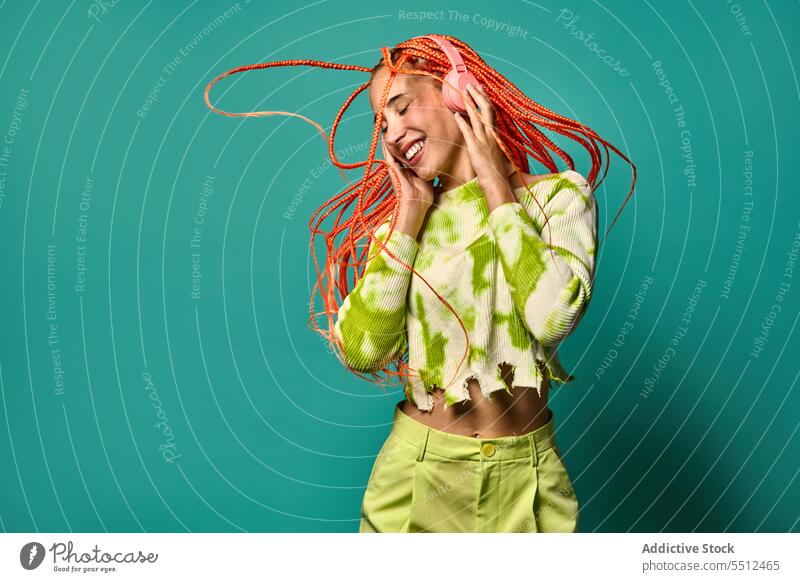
(519, 285)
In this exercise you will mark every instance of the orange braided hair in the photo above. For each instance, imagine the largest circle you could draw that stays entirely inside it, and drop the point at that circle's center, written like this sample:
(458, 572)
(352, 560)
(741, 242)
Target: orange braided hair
(516, 121)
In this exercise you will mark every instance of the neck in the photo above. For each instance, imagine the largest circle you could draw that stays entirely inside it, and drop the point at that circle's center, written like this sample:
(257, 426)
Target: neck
(458, 172)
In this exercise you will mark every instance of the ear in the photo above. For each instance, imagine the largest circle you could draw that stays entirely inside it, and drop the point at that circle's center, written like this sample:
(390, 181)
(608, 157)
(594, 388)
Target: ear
(419, 63)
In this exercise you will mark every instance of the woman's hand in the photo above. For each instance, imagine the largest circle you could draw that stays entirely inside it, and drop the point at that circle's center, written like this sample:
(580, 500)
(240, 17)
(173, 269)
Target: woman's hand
(415, 190)
(487, 159)
(416, 195)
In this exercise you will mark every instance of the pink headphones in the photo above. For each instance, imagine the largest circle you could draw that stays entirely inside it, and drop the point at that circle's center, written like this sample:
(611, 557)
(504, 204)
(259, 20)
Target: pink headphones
(457, 77)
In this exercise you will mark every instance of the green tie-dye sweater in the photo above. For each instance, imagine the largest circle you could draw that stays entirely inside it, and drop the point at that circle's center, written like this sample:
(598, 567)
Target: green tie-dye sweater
(520, 286)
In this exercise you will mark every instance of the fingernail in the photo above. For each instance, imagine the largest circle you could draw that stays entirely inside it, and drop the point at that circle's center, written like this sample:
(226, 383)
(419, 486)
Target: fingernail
(469, 86)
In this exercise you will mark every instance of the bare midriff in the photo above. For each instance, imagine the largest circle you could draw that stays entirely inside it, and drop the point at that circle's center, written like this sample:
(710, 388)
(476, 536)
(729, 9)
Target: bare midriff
(505, 414)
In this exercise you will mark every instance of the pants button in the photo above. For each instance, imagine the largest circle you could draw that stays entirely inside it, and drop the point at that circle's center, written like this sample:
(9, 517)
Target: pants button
(488, 449)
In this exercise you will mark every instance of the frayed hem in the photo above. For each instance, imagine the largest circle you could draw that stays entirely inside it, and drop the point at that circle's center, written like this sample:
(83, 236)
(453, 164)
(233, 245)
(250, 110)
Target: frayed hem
(555, 372)
(490, 380)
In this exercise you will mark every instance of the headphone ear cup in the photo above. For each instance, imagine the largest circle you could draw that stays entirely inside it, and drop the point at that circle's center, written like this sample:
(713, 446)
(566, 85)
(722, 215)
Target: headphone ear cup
(453, 98)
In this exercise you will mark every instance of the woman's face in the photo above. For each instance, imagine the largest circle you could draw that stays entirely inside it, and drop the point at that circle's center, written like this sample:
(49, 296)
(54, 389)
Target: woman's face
(415, 112)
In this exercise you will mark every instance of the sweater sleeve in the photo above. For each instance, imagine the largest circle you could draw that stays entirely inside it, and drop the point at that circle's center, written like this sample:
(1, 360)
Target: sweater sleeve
(371, 320)
(550, 268)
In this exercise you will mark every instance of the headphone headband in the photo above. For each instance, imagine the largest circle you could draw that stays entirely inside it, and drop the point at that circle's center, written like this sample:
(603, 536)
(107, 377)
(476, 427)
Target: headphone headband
(457, 78)
(450, 51)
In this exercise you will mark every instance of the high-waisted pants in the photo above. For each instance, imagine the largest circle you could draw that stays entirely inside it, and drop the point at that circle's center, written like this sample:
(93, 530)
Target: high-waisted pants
(427, 480)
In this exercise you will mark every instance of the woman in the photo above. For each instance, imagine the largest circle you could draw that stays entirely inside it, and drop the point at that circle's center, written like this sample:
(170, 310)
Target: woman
(477, 270)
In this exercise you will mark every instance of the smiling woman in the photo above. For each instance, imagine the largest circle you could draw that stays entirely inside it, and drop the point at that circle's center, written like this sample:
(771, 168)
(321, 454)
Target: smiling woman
(474, 272)
(414, 118)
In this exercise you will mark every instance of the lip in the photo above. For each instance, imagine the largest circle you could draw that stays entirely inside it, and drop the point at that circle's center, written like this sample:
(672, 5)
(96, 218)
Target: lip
(408, 144)
(413, 161)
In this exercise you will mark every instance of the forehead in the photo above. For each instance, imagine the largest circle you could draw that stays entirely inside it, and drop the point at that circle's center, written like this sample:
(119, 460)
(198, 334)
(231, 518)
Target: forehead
(410, 84)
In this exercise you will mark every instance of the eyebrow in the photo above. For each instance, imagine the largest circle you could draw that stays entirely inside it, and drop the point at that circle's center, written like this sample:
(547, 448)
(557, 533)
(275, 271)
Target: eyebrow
(389, 103)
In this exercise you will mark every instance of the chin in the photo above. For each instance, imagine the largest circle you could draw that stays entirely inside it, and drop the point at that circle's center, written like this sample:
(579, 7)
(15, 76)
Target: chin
(426, 171)
(426, 174)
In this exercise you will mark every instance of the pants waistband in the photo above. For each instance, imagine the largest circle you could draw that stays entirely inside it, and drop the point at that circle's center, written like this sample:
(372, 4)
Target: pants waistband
(465, 448)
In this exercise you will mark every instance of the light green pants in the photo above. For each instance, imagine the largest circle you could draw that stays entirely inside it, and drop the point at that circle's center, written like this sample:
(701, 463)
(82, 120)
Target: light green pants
(427, 480)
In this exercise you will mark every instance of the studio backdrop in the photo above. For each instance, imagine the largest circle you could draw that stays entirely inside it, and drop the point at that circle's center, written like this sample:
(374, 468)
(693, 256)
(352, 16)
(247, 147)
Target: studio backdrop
(157, 367)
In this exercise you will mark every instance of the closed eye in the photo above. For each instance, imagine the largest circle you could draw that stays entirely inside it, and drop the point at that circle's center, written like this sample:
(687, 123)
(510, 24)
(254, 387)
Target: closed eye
(401, 112)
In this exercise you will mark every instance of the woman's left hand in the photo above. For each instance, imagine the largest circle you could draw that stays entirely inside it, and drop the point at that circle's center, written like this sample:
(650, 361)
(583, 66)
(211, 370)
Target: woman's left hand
(486, 157)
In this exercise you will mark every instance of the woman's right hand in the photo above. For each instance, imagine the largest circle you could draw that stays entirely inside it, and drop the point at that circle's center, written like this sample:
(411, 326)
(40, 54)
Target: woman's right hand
(416, 195)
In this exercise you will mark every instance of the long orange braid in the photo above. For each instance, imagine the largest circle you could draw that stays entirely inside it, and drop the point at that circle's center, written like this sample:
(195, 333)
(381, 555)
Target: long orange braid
(517, 134)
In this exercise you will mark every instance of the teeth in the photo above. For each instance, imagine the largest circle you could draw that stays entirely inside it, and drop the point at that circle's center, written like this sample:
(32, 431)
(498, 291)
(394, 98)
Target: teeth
(412, 151)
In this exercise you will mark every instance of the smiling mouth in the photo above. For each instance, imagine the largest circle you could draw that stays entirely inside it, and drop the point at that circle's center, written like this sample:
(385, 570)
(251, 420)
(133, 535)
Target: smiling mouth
(418, 148)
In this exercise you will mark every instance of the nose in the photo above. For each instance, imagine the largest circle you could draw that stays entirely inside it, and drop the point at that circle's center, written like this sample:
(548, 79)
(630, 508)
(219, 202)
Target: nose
(394, 133)
(394, 139)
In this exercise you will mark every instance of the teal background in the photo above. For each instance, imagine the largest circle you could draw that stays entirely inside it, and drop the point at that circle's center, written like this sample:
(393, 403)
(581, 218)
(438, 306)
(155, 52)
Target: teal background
(269, 431)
